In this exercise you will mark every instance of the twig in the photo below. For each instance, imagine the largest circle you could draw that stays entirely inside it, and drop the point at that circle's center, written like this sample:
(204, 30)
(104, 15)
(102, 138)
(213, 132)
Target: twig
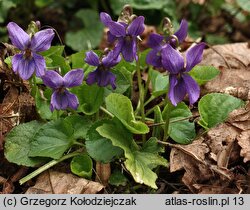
(212, 48)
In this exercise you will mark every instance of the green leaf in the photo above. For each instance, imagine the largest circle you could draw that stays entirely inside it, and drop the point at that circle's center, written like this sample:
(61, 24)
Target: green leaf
(89, 37)
(82, 165)
(146, 4)
(117, 178)
(54, 59)
(170, 10)
(43, 3)
(80, 124)
(8, 61)
(244, 4)
(216, 39)
(5, 6)
(152, 146)
(43, 106)
(52, 140)
(53, 50)
(117, 5)
(159, 82)
(181, 131)
(90, 98)
(122, 83)
(121, 107)
(214, 7)
(215, 107)
(129, 66)
(157, 130)
(139, 163)
(59, 61)
(18, 144)
(77, 59)
(98, 147)
(202, 74)
(143, 57)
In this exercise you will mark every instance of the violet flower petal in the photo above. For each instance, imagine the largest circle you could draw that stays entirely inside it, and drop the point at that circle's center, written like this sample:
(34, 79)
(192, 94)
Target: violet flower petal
(15, 61)
(192, 88)
(92, 58)
(59, 100)
(177, 89)
(92, 77)
(26, 68)
(105, 18)
(172, 60)
(40, 64)
(52, 79)
(18, 36)
(112, 80)
(111, 37)
(155, 40)
(118, 47)
(117, 29)
(73, 78)
(153, 58)
(137, 27)
(182, 31)
(105, 78)
(102, 78)
(129, 49)
(72, 100)
(41, 41)
(194, 56)
(111, 59)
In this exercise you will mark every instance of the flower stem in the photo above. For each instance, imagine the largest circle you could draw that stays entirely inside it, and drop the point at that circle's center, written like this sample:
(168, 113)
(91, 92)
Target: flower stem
(147, 86)
(79, 144)
(141, 93)
(152, 109)
(169, 107)
(106, 111)
(149, 100)
(47, 166)
(33, 85)
(141, 89)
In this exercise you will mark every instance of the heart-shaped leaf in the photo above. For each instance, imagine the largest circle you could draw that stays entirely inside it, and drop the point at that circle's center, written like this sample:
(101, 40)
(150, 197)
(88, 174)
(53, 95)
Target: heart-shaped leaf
(52, 140)
(18, 144)
(121, 107)
(215, 107)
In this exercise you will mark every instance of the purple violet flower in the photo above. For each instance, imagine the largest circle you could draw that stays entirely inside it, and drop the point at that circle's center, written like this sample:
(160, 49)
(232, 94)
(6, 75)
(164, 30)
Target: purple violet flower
(28, 61)
(102, 75)
(61, 98)
(180, 82)
(157, 42)
(125, 34)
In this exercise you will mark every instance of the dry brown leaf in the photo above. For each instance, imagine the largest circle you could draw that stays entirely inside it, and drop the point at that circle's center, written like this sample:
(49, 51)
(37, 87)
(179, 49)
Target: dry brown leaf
(103, 172)
(240, 118)
(199, 168)
(195, 173)
(220, 140)
(16, 108)
(196, 149)
(216, 188)
(53, 182)
(244, 142)
(233, 60)
(190, 158)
